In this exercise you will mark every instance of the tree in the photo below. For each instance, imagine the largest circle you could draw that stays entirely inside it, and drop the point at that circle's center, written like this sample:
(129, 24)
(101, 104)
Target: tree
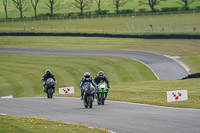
(99, 2)
(151, 3)
(53, 5)
(5, 4)
(185, 3)
(20, 5)
(118, 3)
(82, 4)
(34, 4)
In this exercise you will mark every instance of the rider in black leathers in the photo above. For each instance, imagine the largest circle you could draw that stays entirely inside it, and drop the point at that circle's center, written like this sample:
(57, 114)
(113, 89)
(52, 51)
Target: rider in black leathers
(86, 78)
(47, 75)
(101, 78)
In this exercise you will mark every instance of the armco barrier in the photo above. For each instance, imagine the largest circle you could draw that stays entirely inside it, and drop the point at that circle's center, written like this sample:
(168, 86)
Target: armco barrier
(158, 36)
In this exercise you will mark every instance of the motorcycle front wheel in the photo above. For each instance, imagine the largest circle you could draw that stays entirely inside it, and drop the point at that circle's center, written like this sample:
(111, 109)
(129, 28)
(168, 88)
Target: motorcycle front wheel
(90, 101)
(50, 93)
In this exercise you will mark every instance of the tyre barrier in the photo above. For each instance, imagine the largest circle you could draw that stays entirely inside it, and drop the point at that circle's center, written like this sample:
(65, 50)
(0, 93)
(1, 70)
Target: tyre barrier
(154, 36)
(195, 75)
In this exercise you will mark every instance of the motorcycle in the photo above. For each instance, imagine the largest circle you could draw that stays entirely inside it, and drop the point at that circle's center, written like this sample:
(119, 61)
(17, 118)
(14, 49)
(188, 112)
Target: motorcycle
(88, 94)
(50, 87)
(102, 92)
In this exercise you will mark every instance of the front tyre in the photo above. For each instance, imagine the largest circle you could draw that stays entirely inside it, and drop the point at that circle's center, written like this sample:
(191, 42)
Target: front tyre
(102, 98)
(50, 93)
(90, 101)
(85, 101)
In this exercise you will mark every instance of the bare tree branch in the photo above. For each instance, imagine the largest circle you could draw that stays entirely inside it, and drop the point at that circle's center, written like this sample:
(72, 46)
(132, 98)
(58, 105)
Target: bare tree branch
(5, 4)
(82, 4)
(99, 2)
(118, 3)
(151, 3)
(53, 5)
(185, 3)
(34, 4)
(20, 5)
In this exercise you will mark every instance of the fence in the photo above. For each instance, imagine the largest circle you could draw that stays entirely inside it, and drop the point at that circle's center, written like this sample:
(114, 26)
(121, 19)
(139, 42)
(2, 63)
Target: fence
(95, 16)
(130, 23)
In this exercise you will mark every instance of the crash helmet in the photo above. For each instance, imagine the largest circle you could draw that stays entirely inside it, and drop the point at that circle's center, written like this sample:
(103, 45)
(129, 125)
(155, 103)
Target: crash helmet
(87, 75)
(48, 71)
(101, 74)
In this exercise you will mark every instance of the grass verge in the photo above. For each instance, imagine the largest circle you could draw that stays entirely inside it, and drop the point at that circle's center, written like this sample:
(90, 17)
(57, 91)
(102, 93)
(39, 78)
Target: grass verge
(193, 62)
(173, 47)
(35, 125)
(154, 92)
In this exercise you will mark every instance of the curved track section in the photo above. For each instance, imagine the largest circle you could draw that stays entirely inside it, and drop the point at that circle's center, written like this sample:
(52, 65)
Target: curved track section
(115, 116)
(163, 67)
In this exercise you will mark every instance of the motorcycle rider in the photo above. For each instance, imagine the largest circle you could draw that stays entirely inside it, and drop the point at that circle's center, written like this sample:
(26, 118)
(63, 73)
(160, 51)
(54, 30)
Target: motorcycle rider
(100, 78)
(48, 74)
(86, 78)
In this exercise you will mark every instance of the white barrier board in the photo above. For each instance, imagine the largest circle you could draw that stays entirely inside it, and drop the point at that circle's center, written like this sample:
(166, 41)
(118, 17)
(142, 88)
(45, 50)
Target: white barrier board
(179, 95)
(7, 96)
(66, 90)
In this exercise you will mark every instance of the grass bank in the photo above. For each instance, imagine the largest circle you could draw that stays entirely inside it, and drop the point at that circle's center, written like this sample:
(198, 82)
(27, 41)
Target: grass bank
(173, 47)
(35, 125)
(21, 74)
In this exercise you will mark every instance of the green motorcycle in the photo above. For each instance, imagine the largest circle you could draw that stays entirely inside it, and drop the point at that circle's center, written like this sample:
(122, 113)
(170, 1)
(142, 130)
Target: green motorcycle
(102, 92)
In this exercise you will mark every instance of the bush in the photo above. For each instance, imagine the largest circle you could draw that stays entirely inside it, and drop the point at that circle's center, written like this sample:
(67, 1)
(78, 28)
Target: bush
(49, 15)
(103, 12)
(197, 8)
(126, 11)
(141, 10)
(169, 9)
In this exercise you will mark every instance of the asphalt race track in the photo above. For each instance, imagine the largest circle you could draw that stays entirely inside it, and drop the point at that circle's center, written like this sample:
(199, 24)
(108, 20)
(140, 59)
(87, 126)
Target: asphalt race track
(163, 67)
(114, 116)
(118, 117)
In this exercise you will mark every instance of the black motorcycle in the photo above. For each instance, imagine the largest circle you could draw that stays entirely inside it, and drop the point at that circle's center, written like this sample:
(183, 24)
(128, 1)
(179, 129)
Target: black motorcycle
(50, 87)
(88, 94)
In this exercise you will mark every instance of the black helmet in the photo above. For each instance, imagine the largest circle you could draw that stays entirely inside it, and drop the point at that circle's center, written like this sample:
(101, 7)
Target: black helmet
(48, 71)
(87, 75)
(101, 74)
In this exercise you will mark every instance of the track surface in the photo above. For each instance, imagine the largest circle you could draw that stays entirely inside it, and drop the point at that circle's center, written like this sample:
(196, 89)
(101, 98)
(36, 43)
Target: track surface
(115, 116)
(163, 67)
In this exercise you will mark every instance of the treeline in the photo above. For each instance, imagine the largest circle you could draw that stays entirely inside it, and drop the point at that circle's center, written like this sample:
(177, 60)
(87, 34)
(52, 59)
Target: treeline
(82, 5)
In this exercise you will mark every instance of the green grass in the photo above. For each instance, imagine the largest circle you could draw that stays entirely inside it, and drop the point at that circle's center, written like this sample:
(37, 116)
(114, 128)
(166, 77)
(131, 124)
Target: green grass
(21, 74)
(173, 47)
(66, 8)
(162, 24)
(154, 92)
(193, 62)
(35, 125)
